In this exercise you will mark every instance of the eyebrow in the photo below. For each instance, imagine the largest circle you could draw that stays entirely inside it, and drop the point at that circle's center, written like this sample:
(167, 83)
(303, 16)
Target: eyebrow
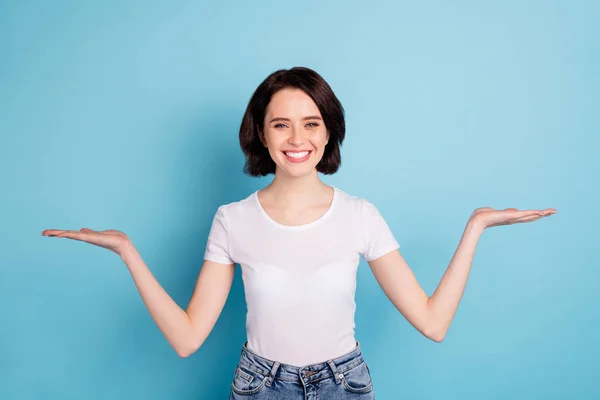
(304, 119)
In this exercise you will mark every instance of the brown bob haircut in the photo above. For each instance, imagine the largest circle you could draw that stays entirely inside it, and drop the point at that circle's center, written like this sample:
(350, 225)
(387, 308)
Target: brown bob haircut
(258, 159)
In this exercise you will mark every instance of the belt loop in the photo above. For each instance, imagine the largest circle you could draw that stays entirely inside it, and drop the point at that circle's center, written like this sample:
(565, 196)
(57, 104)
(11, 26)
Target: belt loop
(337, 377)
(272, 374)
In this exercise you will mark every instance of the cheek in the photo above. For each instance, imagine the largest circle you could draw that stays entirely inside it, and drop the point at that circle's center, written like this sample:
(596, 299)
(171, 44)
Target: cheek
(273, 142)
(320, 138)
(323, 142)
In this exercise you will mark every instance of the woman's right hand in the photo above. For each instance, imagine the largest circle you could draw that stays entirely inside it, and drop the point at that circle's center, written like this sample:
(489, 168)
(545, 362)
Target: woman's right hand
(109, 239)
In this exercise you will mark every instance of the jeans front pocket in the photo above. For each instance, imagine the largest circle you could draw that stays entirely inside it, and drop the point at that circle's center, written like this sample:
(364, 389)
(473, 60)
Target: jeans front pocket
(358, 379)
(246, 381)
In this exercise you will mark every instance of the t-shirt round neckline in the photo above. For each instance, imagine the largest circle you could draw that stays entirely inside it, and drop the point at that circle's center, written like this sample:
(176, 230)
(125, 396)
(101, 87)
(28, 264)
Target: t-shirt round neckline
(297, 227)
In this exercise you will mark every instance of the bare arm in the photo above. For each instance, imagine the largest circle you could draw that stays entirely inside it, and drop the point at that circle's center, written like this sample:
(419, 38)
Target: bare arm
(433, 315)
(184, 330)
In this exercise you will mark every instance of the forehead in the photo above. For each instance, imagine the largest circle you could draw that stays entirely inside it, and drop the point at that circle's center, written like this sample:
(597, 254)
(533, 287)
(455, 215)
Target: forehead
(291, 103)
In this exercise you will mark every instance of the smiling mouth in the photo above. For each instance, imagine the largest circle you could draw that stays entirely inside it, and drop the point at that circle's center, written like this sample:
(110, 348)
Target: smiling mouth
(297, 156)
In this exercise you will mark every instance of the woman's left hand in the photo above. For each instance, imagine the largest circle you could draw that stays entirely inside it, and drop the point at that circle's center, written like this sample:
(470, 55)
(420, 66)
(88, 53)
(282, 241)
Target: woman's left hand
(486, 217)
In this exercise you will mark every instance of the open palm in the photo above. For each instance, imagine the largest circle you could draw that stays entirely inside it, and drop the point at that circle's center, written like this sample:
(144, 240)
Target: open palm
(110, 239)
(488, 217)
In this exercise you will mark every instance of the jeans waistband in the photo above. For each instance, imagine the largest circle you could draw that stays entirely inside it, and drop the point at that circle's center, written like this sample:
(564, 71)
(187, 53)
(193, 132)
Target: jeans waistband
(308, 373)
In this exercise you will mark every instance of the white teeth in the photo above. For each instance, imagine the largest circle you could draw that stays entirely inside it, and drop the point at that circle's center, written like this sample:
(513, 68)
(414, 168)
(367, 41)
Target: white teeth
(296, 155)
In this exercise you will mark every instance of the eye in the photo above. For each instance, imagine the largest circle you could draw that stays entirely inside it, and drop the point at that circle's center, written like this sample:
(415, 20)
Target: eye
(310, 124)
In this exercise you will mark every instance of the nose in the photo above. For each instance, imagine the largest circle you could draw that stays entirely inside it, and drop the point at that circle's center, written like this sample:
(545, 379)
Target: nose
(296, 137)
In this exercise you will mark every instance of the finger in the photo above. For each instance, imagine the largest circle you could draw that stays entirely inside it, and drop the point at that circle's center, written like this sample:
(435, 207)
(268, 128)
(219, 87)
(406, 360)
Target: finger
(67, 234)
(531, 218)
(52, 232)
(547, 211)
(76, 235)
(526, 213)
(63, 232)
(526, 218)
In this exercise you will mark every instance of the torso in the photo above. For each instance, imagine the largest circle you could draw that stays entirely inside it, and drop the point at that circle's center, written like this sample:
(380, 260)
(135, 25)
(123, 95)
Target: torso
(299, 272)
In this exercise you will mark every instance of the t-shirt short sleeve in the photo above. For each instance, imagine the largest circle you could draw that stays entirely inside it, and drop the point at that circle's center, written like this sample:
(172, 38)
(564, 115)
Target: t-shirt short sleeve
(378, 237)
(217, 245)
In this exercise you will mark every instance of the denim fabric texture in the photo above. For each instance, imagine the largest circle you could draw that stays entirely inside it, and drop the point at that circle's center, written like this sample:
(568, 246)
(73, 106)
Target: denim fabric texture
(345, 377)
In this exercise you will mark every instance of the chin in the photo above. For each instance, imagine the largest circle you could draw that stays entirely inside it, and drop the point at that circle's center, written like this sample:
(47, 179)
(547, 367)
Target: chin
(296, 171)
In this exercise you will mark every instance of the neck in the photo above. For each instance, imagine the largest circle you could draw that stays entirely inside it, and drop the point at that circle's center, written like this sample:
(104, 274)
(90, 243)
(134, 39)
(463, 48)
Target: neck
(296, 191)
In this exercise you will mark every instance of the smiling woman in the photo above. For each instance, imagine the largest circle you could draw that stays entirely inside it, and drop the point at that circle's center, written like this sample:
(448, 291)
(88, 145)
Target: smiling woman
(300, 139)
(299, 243)
(292, 111)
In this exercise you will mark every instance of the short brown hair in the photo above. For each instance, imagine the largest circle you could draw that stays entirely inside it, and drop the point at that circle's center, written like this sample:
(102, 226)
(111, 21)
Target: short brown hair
(258, 159)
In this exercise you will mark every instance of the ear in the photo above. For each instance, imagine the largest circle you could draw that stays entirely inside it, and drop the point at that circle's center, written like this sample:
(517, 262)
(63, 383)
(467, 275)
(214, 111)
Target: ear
(261, 135)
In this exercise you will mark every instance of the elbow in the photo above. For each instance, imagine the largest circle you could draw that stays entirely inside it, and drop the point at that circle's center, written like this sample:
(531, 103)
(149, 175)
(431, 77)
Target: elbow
(187, 351)
(435, 335)
(438, 338)
(184, 354)
(189, 346)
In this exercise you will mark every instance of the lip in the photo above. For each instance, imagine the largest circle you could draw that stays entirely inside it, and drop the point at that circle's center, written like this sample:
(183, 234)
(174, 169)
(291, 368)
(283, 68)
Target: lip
(297, 160)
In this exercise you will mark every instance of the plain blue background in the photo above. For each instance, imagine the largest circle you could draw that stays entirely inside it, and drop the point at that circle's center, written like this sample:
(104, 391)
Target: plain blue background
(125, 115)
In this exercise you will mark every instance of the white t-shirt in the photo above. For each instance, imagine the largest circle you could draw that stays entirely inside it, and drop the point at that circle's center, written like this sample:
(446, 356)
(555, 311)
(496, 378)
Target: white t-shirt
(299, 281)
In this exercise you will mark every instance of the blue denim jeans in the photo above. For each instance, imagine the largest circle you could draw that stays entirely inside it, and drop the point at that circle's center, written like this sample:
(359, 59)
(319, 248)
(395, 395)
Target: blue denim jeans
(345, 377)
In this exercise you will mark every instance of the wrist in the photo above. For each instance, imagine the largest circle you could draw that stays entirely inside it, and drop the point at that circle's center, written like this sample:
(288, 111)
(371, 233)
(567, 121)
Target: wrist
(475, 226)
(127, 252)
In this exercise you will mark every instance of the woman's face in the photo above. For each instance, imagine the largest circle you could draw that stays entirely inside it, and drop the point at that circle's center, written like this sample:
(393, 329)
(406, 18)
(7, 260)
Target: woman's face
(294, 132)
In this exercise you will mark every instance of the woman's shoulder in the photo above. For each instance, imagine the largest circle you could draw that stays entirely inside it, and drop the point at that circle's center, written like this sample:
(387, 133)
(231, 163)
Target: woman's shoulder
(350, 199)
(358, 205)
(241, 202)
(237, 206)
